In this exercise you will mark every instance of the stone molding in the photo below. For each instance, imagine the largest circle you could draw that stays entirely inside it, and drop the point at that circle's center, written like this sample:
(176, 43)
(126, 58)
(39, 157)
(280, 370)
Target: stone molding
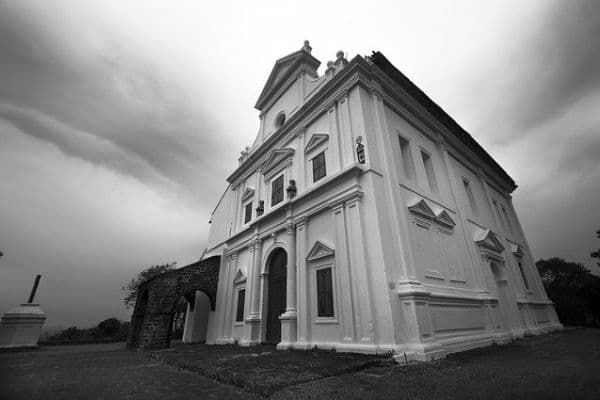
(320, 250)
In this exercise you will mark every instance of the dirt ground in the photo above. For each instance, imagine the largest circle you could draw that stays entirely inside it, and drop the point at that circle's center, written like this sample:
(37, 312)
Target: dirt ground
(555, 366)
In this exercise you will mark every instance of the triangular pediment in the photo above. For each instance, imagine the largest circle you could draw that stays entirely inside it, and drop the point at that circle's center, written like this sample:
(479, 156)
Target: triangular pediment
(249, 192)
(488, 239)
(320, 250)
(444, 218)
(283, 68)
(420, 207)
(517, 250)
(315, 141)
(276, 157)
(240, 277)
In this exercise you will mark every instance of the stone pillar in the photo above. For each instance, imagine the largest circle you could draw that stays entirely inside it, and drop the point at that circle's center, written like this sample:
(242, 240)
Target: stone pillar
(289, 317)
(253, 318)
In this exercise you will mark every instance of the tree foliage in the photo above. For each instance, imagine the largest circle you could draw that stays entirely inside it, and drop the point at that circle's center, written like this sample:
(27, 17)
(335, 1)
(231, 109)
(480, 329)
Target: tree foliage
(574, 290)
(131, 288)
(109, 330)
(596, 254)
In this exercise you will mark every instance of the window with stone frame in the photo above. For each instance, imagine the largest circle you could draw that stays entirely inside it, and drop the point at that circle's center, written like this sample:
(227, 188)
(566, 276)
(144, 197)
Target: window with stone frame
(239, 315)
(429, 172)
(247, 212)
(507, 218)
(520, 263)
(470, 197)
(277, 190)
(319, 167)
(407, 160)
(324, 293)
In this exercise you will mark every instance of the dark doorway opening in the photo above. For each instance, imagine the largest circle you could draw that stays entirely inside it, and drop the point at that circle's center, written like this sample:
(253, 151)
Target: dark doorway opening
(178, 316)
(276, 294)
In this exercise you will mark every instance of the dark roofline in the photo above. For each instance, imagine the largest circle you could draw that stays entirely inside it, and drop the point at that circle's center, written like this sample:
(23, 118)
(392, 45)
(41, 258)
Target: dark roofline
(388, 68)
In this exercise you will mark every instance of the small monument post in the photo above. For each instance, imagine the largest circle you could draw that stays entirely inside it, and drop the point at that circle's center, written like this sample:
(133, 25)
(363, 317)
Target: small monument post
(22, 326)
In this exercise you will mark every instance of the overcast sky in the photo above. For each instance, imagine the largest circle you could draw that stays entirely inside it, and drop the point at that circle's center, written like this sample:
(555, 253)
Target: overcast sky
(120, 120)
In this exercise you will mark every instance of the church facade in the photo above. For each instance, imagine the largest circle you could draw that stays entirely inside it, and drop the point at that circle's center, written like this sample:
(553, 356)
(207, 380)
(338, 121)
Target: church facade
(363, 218)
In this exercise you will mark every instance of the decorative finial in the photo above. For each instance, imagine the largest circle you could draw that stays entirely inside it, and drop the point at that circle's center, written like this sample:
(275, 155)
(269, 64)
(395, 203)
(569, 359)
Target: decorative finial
(329, 64)
(339, 54)
(307, 47)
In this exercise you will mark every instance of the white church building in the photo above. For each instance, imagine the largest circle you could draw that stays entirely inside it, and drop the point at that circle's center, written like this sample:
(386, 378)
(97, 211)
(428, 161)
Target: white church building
(363, 218)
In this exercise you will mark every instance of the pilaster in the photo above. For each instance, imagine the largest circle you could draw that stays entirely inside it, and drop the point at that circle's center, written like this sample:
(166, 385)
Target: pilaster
(334, 137)
(361, 295)
(346, 134)
(289, 317)
(254, 319)
(343, 265)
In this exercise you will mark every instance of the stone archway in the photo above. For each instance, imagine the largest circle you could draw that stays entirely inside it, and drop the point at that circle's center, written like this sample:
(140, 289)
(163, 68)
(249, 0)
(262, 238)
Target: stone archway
(276, 294)
(152, 318)
(196, 320)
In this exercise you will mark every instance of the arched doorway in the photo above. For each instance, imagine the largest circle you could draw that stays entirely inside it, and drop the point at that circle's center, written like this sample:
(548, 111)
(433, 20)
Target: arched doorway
(277, 268)
(178, 316)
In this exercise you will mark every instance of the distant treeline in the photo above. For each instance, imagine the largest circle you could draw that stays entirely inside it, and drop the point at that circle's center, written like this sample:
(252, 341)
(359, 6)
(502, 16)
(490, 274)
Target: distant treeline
(109, 330)
(574, 290)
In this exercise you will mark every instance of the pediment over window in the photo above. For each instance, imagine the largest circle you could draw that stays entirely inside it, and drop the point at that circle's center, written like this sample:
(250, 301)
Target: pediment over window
(275, 158)
(444, 218)
(249, 192)
(421, 208)
(320, 250)
(488, 239)
(517, 250)
(315, 141)
(240, 277)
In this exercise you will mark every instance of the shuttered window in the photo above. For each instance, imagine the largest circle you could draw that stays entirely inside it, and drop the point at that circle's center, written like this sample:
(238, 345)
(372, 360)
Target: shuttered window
(248, 213)
(324, 293)
(239, 315)
(277, 190)
(319, 168)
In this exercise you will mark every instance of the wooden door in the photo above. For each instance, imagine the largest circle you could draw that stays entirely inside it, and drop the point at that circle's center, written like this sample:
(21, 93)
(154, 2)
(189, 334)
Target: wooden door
(276, 295)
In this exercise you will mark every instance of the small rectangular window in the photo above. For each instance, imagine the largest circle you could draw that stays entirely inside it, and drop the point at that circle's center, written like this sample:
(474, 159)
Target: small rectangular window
(470, 196)
(318, 164)
(428, 164)
(324, 293)
(277, 190)
(407, 161)
(507, 218)
(239, 315)
(497, 209)
(248, 213)
(523, 275)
